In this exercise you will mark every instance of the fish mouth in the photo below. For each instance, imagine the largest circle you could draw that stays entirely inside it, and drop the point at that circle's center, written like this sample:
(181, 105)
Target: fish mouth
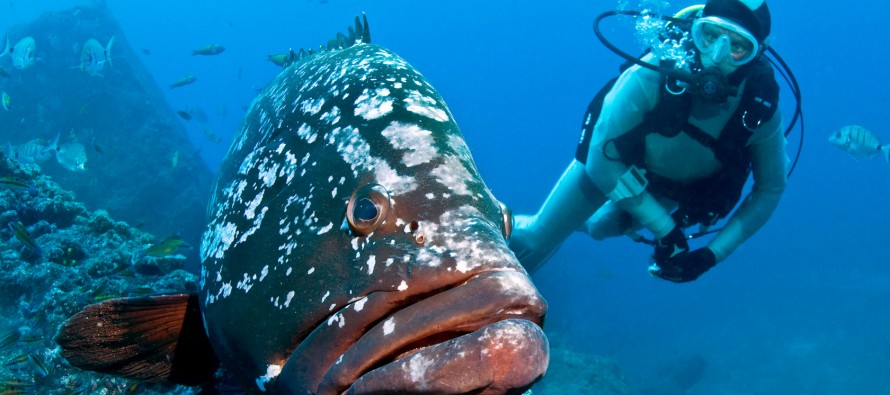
(481, 336)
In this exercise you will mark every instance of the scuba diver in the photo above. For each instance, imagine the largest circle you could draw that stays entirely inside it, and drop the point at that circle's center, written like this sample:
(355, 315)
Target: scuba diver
(664, 149)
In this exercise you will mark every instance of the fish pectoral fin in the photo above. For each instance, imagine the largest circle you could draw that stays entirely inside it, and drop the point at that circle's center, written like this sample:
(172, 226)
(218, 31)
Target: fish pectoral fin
(154, 338)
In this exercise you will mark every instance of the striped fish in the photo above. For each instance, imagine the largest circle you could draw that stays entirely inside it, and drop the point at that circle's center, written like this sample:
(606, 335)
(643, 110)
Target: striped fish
(34, 151)
(859, 142)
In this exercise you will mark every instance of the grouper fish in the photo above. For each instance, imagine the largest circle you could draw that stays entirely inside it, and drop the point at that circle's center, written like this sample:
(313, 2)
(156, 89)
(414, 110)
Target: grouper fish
(352, 247)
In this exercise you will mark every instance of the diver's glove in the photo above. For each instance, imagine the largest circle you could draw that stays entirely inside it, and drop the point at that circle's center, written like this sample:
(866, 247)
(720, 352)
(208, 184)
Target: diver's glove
(685, 268)
(671, 247)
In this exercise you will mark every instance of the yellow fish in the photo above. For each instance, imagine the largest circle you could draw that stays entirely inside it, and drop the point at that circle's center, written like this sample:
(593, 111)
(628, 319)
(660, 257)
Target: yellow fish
(20, 233)
(6, 101)
(172, 245)
(279, 59)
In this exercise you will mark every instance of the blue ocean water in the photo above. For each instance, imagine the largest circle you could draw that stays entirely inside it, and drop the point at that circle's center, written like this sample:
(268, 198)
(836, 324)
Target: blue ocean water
(799, 309)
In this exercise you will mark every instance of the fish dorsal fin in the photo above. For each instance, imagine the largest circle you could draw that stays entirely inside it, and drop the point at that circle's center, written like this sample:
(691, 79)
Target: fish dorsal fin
(155, 338)
(358, 34)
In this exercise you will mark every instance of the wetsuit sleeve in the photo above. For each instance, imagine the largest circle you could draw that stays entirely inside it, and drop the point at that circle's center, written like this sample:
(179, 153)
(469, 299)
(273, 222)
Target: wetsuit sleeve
(768, 161)
(635, 93)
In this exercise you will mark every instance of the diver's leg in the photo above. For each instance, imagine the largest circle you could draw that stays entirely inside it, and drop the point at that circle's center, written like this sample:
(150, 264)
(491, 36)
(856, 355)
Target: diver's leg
(573, 199)
(609, 221)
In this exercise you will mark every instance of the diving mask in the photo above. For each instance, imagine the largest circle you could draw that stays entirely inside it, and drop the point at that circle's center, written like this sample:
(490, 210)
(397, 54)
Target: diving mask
(724, 41)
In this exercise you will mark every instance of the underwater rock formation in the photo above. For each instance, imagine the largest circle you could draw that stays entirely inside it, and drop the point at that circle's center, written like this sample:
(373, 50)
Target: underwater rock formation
(120, 116)
(62, 258)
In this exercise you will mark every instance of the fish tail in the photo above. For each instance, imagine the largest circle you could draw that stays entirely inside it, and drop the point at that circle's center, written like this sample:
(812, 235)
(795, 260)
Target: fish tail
(5, 49)
(108, 50)
(136, 337)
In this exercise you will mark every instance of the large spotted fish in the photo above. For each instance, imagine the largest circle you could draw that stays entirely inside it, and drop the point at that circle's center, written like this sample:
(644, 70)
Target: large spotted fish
(352, 248)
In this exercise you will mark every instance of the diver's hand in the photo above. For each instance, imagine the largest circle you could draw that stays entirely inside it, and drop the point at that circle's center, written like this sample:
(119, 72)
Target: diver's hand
(686, 268)
(671, 247)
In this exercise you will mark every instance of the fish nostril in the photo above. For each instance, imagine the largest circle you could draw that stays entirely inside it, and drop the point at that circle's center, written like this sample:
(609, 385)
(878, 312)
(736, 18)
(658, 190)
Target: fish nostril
(413, 226)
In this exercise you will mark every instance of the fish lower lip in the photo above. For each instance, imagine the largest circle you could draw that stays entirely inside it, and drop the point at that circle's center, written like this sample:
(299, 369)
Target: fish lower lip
(462, 320)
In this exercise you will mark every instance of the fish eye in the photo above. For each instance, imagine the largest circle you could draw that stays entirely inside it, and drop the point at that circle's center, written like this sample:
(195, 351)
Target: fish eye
(368, 207)
(365, 210)
(507, 219)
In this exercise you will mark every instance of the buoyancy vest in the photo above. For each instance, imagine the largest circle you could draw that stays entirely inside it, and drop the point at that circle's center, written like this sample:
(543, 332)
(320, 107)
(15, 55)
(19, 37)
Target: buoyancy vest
(712, 198)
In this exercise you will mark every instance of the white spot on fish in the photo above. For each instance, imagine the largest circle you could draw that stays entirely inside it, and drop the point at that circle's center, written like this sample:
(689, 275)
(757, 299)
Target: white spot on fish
(326, 228)
(272, 371)
(453, 175)
(312, 107)
(417, 141)
(355, 151)
(306, 132)
(403, 286)
(250, 211)
(326, 294)
(216, 242)
(373, 105)
(372, 261)
(290, 295)
(389, 326)
(417, 367)
(332, 117)
(264, 272)
(360, 304)
(425, 106)
(245, 284)
(391, 180)
(268, 174)
(312, 270)
(256, 225)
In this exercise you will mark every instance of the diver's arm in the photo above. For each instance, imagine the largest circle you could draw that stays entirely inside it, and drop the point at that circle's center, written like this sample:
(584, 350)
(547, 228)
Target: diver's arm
(768, 159)
(635, 93)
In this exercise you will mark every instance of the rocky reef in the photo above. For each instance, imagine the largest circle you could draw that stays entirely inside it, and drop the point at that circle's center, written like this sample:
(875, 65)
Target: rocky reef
(62, 258)
(141, 167)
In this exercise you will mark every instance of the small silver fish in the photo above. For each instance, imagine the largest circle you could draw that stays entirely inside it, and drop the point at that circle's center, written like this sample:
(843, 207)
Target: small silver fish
(72, 156)
(183, 81)
(94, 56)
(33, 151)
(23, 54)
(859, 142)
